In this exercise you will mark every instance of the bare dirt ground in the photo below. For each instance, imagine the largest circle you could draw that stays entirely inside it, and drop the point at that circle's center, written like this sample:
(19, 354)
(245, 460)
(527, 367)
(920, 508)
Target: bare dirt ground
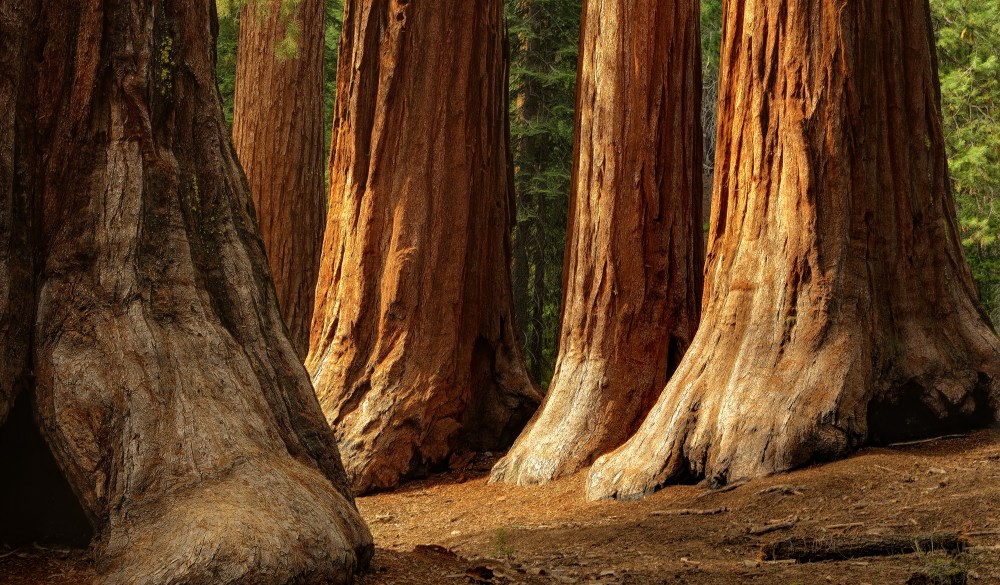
(456, 528)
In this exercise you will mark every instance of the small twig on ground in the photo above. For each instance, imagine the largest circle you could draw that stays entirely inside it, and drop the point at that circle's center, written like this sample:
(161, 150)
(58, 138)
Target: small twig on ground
(923, 441)
(785, 490)
(690, 512)
(774, 526)
(844, 526)
(812, 550)
(724, 489)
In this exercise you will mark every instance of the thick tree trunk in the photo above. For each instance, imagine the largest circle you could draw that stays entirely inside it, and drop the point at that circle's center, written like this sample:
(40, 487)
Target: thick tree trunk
(166, 386)
(839, 308)
(633, 275)
(413, 350)
(16, 309)
(278, 132)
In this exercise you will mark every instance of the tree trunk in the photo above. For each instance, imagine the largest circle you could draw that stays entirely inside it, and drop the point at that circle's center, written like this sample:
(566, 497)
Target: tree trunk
(839, 308)
(15, 260)
(278, 132)
(413, 349)
(165, 384)
(633, 272)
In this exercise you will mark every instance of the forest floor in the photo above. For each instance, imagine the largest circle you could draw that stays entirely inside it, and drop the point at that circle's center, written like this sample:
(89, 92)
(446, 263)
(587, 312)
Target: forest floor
(455, 528)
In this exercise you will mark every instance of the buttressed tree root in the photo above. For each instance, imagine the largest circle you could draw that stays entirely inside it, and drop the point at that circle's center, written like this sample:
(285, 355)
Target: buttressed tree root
(633, 286)
(164, 382)
(413, 351)
(839, 308)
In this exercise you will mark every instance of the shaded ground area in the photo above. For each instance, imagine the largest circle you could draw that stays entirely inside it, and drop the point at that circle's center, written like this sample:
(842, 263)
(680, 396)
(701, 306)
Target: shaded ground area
(457, 529)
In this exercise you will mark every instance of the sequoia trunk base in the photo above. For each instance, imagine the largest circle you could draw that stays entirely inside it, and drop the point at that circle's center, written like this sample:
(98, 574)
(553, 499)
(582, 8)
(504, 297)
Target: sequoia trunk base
(413, 351)
(633, 270)
(162, 377)
(839, 308)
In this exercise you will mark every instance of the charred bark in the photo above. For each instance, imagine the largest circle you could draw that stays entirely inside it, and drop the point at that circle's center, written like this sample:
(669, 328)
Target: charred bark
(165, 384)
(839, 308)
(413, 351)
(278, 133)
(633, 275)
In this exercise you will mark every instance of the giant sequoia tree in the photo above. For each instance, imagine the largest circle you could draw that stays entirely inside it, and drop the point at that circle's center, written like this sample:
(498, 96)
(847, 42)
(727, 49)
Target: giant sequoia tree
(413, 351)
(838, 308)
(145, 330)
(278, 131)
(633, 271)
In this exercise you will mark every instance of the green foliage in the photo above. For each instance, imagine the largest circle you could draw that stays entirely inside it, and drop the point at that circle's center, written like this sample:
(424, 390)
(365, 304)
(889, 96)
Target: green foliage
(711, 44)
(544, 39)
(936, 569)
(968, 40)
(166, 66)
(225, 66)
(502, 547)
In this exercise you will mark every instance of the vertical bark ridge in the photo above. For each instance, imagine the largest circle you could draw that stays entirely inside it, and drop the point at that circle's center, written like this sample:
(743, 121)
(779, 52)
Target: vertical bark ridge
(15, 258)
(838, 307)
(633, 276)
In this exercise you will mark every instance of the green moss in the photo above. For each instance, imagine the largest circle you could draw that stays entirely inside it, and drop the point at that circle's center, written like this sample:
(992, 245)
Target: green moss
(166, 64)
(193, 198)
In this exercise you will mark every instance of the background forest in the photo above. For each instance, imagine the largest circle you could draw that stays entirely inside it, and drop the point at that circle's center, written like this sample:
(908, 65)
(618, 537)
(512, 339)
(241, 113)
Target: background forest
(544, 37)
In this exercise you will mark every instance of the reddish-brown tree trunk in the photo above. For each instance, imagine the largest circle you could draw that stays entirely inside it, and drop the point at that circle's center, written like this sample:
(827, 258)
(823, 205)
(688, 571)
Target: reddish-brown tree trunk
(632, 283)
(839, 308)
(15, 260)
(165, 384)
(278, 132)
(413, 351)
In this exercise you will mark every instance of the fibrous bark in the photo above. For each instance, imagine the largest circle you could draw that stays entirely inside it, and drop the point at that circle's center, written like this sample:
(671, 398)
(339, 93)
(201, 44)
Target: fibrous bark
(164, 382)
(839, 308)
(413, 352)
(633, 275)
(15, 261)
(278, 133)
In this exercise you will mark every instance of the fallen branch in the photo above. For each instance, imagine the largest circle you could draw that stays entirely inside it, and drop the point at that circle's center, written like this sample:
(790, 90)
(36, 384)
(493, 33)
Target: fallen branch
(812, 550)
(727, 488)
(690, 512)
(785, 490)
(774, 526)
(923, 441)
